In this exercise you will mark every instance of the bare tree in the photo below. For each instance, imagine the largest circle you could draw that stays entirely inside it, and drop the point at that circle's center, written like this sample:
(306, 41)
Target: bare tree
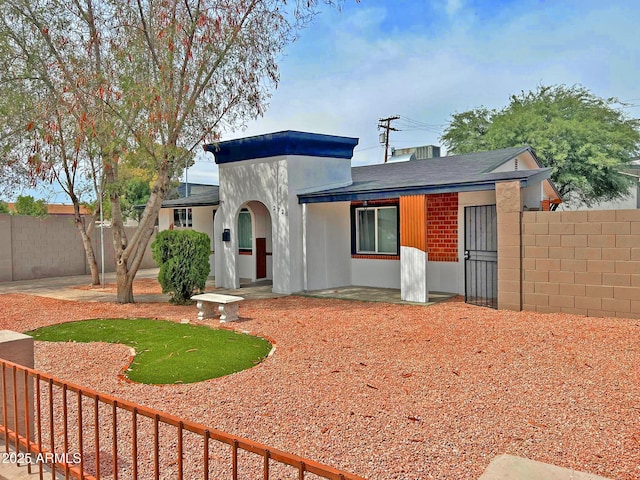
(159, 77)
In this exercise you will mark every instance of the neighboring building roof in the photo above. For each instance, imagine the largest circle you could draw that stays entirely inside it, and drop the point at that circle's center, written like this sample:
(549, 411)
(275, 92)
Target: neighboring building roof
(288, 142)
(193, 189)
(436, 175)
(59, 209)
(210, 197)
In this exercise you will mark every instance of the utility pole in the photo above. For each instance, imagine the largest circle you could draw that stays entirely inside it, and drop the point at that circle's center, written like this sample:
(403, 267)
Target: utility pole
(385, 123)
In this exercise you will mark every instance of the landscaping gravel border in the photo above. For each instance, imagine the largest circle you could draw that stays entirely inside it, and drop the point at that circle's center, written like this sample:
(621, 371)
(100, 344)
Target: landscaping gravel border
(393, 391)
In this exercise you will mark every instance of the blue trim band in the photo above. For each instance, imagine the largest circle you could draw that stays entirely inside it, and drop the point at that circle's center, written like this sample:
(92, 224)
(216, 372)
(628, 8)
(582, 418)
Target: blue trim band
(288, 142)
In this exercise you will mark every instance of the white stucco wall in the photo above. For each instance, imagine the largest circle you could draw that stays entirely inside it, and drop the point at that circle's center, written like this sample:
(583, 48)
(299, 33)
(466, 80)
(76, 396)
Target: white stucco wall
(265, 181)
(318, 173)
(375, 273)
(524, 162)
(275, 182)
(532, 196)
(445, 276)
(247, 267)
(328, 245)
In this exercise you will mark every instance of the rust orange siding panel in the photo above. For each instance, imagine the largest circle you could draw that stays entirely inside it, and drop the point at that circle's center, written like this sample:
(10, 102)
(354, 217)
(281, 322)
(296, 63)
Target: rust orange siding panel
(413, 222)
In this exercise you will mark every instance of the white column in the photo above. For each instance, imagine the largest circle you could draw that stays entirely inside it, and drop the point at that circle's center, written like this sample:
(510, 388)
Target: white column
(413, 275)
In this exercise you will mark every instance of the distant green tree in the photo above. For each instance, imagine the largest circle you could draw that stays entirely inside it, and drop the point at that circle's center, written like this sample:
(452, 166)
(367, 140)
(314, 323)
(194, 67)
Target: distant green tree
(4, 208)
(27, 205)
(584, 138)
(136, 192)
(183, 258)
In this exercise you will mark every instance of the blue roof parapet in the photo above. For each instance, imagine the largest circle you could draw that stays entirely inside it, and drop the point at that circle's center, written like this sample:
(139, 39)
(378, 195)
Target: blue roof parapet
(288, 142)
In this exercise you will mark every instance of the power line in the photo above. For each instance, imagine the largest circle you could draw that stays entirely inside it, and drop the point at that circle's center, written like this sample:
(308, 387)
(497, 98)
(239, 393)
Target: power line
(410, 124)
(368, 148)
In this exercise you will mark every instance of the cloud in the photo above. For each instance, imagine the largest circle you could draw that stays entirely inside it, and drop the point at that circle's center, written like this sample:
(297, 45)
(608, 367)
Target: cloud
(352, 68)
(453, 6)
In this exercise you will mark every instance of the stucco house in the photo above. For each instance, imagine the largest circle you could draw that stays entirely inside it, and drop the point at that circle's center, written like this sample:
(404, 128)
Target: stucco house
(290, 208)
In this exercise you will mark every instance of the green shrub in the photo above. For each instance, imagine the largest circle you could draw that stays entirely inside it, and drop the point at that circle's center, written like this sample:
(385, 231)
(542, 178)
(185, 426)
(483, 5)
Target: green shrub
(27, 205)
(183, 258)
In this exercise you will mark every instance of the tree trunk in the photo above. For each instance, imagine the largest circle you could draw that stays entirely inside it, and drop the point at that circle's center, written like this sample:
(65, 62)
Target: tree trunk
(130, 252)
(124, 282)
(86, 242)
(90, 254)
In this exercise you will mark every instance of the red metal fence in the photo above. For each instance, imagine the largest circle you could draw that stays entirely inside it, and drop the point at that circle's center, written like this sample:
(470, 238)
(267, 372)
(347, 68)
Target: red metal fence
(55, 427)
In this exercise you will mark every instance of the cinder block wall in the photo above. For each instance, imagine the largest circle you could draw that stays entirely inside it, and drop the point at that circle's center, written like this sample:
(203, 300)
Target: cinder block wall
(32, 248)
(584, 262)
(45, 247)
(508, 209)
(6, 261)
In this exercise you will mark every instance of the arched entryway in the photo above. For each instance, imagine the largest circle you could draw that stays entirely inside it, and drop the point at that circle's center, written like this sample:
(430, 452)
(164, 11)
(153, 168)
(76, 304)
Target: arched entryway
(254, 242)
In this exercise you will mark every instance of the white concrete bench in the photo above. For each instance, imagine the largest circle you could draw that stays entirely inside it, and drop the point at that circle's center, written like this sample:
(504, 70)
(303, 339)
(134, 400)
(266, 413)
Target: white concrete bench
(209, 304)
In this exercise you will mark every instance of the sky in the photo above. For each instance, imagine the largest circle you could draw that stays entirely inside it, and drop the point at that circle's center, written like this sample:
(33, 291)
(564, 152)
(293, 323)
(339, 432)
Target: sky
(427, 59)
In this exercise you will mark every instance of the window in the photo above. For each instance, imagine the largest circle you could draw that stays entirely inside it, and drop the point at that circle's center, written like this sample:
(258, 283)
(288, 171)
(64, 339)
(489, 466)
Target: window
(182, 218)
(376, 230)
(245, 237)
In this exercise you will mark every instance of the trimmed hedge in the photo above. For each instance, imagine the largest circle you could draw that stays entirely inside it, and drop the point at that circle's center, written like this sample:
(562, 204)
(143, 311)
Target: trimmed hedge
(183, 258)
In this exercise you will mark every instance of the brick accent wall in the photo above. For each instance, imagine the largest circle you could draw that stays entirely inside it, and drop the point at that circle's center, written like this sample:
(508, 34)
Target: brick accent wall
(585, 263)
(442, 227)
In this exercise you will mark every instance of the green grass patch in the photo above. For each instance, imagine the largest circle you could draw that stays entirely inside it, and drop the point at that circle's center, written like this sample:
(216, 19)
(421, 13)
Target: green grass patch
(166, 352)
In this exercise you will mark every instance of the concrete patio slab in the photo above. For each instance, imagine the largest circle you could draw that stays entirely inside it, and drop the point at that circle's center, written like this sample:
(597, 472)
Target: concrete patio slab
(373, 294)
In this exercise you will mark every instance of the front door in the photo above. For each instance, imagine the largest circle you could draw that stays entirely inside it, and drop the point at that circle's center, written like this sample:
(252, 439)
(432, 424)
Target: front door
(481, 256)
(261, 258)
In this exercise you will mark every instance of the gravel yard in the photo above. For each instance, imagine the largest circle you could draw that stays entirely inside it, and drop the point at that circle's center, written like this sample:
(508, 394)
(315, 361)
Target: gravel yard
(393, 391)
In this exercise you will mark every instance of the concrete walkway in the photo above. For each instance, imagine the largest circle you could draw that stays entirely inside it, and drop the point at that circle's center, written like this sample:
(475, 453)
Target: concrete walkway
(64, 288)
(10, 471)
(509, 467)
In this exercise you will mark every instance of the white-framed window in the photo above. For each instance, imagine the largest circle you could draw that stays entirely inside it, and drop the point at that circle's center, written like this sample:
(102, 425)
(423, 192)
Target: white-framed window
(377, 230)
(182, 218)
(245, 234)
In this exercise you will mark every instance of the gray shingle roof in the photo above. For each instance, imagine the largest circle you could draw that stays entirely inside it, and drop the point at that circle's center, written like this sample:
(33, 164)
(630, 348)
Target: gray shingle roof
(211, 197)
(451, 173)
(435, 175)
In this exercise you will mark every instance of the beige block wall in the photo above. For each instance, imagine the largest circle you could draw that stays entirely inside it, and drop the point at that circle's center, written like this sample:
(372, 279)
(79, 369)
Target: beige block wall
(45, 247)
(508, 208)
(32, 248)
(6, 261)
(594, 272)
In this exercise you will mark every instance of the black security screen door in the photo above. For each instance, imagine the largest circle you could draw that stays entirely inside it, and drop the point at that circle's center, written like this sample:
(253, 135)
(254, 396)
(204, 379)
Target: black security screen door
(481, 256)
